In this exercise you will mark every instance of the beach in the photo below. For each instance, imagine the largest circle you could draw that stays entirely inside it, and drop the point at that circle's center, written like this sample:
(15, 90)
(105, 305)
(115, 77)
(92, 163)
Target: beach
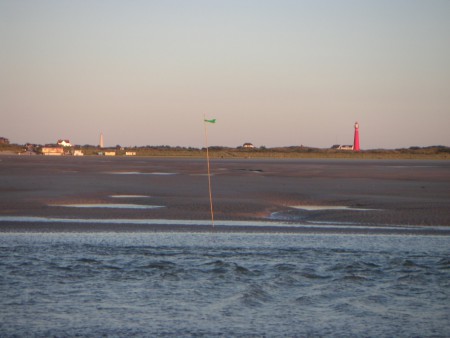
(40, 193)
(99, 246)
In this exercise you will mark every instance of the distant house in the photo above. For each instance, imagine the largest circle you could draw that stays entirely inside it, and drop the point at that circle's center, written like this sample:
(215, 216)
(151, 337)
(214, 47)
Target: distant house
(130, 153)
(248, 145)
(110, 153)
(78, 153)
(52, 151)
(342, 147)
(4, 140)
(64, 143)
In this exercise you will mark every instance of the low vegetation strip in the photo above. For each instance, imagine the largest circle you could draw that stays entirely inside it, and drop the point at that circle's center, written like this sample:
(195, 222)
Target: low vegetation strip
(433, 152)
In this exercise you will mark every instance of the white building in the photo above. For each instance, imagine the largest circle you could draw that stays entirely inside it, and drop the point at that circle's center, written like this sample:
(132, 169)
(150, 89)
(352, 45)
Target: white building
(342, 147)
(64, 143)
(52, 151)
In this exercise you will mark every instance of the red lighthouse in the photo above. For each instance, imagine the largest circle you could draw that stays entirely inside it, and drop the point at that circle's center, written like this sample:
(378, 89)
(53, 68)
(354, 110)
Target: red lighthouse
(356, 139)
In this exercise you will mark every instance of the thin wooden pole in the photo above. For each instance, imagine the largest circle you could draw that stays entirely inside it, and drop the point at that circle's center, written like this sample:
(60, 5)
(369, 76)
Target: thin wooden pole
(209, 173)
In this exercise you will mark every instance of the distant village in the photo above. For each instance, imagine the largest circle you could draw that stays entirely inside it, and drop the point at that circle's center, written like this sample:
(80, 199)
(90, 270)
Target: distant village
(65, 147)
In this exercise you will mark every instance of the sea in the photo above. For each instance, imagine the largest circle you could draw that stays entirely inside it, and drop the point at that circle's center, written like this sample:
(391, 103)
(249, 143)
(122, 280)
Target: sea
(187, 284)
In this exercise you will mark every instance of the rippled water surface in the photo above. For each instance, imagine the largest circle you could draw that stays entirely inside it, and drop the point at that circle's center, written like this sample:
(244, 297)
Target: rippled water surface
(180, 284)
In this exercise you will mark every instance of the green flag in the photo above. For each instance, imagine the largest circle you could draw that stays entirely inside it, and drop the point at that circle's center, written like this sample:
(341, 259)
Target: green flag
(210, 121)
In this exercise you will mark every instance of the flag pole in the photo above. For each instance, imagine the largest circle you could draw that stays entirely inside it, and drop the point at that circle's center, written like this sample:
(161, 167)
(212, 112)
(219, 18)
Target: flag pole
(209, 172)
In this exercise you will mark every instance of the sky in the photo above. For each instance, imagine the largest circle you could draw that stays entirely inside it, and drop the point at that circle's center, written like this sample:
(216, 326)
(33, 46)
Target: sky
(273, 73)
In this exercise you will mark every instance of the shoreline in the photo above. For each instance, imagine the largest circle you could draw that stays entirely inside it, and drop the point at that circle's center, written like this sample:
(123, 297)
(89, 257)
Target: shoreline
(65, 228)
(64, 225)
(268, 154)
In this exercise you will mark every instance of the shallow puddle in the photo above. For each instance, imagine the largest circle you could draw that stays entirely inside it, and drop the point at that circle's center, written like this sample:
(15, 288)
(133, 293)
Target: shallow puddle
(129, 196)
(109, 205)
(327, 207)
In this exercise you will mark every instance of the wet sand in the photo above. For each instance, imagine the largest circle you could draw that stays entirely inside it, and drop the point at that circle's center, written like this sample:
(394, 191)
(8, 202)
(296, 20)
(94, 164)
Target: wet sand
(301, 195)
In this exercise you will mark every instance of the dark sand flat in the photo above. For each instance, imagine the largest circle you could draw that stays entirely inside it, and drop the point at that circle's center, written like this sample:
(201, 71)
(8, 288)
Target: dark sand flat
(377, 193)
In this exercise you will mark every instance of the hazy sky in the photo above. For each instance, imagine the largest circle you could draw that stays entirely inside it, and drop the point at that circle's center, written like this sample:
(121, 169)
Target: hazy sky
(274, 73)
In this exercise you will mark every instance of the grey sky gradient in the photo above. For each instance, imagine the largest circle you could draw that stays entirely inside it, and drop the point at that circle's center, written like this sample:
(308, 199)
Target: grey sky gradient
(274, 73)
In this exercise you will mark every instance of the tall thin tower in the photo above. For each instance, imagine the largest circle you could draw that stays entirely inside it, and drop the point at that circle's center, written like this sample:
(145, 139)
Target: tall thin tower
(101, 140)
(356, 139)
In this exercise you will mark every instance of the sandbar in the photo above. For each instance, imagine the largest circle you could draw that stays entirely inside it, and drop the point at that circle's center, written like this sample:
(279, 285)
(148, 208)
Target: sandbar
(296, 195)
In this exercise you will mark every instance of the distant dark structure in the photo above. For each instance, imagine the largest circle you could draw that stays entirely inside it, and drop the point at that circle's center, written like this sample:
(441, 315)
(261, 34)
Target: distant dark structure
(4, 140)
